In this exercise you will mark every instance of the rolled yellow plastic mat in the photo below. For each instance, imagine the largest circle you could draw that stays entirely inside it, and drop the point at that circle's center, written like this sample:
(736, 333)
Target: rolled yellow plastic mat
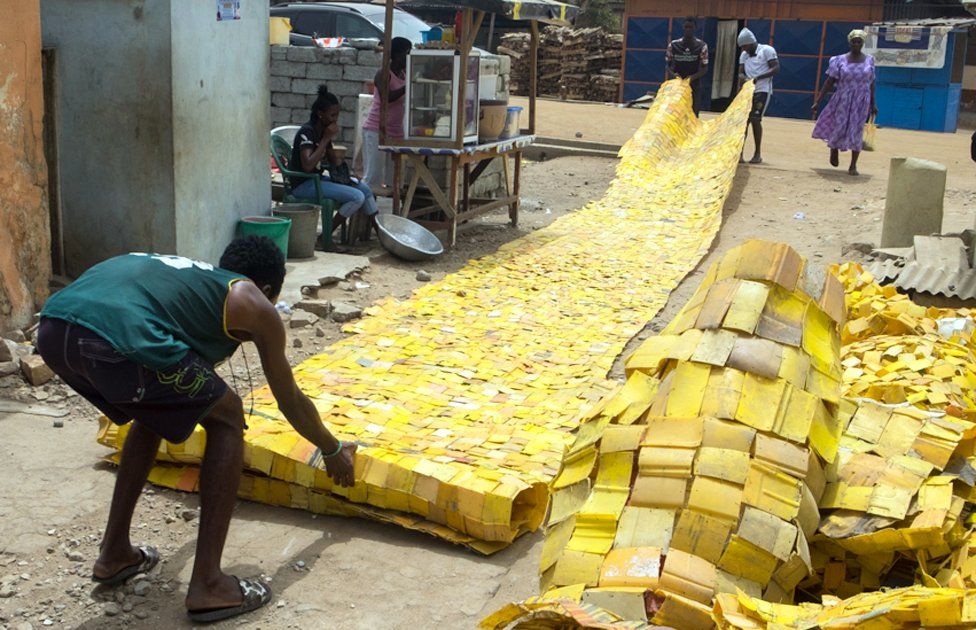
(728, 484)
(465, 396)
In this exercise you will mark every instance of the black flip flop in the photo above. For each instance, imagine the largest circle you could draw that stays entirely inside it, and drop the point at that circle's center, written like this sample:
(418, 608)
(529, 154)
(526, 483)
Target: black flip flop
(150, 558)
(256, 594)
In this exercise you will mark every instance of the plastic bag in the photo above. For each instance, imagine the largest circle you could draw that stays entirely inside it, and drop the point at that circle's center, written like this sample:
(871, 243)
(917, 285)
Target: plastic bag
(870, 129)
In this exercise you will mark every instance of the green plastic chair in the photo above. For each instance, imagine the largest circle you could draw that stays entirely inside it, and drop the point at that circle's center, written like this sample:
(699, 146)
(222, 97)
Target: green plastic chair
(281, 153)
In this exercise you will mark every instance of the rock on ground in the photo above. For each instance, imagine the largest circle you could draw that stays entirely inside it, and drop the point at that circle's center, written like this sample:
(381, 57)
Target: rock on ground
(344, 312)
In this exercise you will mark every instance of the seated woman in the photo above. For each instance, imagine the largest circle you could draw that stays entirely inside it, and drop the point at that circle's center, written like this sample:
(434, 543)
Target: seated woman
(313, 144)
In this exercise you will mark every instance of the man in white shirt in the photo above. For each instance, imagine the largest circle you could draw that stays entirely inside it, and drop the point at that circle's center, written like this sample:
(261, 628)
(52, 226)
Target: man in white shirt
(759, 63)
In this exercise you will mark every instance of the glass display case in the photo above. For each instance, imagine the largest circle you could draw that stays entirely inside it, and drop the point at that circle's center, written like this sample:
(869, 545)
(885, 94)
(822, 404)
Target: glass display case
(433, 81)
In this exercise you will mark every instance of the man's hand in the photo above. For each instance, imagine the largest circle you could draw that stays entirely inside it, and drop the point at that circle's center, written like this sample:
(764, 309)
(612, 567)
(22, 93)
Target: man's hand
(341, 468)
(331, 131)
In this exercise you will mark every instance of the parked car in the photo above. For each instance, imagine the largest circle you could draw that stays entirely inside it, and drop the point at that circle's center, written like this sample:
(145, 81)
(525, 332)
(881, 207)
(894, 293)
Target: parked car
(345, 19)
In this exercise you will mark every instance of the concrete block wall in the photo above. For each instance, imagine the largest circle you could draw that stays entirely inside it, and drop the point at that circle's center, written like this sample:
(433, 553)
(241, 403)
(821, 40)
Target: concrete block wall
(297, 72)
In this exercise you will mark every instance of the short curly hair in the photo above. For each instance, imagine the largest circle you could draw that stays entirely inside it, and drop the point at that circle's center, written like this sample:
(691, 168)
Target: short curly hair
(257, 258)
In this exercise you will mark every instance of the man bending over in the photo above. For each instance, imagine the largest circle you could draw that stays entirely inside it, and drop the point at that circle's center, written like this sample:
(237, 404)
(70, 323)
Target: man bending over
(138, 336)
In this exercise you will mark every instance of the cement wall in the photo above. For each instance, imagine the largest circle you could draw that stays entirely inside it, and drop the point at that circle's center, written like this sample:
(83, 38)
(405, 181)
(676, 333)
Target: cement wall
(114, 134)
(297, 71)
(25, 247)
(220, 117)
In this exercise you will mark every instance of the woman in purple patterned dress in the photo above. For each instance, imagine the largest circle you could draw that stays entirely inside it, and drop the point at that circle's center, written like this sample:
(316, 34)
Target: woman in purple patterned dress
(842, 121)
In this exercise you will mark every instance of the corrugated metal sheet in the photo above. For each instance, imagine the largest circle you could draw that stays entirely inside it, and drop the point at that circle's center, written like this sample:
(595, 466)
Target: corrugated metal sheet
(886, 270)
(935, 280)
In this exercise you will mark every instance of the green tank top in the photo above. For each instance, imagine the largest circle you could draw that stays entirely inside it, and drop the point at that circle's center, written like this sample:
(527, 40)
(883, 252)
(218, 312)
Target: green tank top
(152, 308)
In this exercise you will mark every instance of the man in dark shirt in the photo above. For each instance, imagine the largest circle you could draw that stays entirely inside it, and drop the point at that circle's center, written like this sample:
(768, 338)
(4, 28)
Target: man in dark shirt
(688, 59)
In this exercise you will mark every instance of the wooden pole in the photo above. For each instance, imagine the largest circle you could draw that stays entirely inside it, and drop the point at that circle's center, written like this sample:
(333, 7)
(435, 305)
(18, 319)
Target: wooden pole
(533, 74)
(491, 32)
(383, 88)
(461, 44)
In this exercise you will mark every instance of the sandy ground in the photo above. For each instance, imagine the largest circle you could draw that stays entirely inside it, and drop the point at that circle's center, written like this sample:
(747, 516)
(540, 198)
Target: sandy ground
(339, 573)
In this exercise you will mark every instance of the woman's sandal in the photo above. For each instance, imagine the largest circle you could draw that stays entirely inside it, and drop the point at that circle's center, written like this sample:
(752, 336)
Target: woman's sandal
(256, 594)
(150, 558)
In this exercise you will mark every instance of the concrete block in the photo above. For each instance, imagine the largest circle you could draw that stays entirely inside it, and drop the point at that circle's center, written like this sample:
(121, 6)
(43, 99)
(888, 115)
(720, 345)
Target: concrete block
(324, 71)
(369, 58)
(283, 68)
(321, 308)
(347, 120)
(304, 54)
(302, 319)
(305, 86)
(490, 65)
(280, 84)
(281, 99)
(345, 312)
(310, 99)
(348, 55)
(346, 88)
(299, 116)
(504, 64)
(280, 116)
(327, 55)
(914, 204)
(349, 103)
(358, 73)
(35, 370)
(279, 52)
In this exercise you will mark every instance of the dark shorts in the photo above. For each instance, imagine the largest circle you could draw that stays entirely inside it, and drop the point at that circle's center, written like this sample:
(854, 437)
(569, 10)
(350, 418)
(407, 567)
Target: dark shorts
(760, 101)
(169, 402)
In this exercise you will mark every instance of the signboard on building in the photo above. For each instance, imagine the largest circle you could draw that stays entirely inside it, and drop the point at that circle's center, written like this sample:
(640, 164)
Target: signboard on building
(908, 46)
(228, 10)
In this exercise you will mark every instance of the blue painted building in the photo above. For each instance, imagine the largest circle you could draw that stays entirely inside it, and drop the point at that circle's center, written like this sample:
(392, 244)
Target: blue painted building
(923, 91)
(805, 33)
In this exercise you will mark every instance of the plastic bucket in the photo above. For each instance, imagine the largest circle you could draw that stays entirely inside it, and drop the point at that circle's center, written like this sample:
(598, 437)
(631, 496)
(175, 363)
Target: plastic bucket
(304, 219)
(512, 122)
(275, 228)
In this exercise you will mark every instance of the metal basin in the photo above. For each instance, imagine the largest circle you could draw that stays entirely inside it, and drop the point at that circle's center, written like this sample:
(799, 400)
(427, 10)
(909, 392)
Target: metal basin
(407, 240)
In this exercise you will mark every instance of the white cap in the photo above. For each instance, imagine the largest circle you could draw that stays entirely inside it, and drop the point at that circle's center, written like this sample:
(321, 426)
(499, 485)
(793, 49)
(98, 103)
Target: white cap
(746, 37)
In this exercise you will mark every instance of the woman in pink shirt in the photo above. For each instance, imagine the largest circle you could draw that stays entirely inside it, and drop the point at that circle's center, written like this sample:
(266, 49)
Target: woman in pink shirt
(376, 171)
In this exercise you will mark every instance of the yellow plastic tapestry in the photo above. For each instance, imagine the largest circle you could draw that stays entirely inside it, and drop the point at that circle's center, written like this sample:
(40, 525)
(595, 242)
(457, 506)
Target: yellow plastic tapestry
(465, 396)
(745, 385)
(894, 489)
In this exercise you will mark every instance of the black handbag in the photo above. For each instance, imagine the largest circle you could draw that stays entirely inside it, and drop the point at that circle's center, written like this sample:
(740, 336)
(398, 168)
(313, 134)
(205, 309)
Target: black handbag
(339, 174)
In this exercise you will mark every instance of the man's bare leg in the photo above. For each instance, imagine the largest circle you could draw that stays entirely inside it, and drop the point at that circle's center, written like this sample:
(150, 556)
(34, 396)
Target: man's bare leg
(757, 134)
(138, 454)
(220, 476)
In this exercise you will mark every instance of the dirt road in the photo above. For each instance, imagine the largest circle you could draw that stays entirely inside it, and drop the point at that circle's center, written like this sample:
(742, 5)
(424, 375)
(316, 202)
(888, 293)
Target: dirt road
(337, 573)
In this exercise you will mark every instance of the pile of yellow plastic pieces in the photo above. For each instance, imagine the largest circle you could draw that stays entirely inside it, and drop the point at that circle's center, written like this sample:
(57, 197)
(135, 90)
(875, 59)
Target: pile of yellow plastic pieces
(738, 503)
(894, 351)
(464, 396)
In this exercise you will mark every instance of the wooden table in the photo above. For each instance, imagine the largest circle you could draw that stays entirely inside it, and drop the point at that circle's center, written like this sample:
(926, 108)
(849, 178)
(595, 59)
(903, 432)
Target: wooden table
(468, 164)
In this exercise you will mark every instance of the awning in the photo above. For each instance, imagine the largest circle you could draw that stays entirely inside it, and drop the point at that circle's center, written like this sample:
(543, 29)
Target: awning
(542, 10)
